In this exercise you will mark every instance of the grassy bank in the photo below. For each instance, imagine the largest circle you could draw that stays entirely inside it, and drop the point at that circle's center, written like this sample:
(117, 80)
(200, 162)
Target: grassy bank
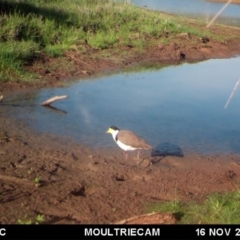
(216, 209)
(31, 29)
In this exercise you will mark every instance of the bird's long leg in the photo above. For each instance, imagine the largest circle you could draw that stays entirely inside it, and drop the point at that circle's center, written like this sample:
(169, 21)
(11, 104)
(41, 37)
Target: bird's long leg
(138, 153)
(126, 156)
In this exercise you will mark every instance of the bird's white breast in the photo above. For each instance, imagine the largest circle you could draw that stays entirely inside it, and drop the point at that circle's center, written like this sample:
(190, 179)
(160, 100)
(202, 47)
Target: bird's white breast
(125, 147)
(122, 145)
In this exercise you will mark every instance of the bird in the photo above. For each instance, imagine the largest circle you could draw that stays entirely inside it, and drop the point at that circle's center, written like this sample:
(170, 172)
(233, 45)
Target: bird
(128, 141)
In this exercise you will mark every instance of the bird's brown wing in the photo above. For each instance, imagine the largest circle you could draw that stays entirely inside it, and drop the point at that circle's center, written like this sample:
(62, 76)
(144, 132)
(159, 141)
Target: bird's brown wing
(131, 139)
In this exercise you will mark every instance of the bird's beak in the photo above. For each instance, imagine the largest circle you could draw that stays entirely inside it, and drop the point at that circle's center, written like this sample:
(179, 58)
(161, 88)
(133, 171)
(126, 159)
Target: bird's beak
(108, 131)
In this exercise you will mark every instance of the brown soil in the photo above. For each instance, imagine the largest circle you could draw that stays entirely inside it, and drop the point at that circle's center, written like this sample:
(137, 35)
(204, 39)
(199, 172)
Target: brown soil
(80, 185)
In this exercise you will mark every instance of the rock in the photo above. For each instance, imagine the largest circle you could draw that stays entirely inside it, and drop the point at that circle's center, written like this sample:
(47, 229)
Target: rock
(184, 35)
(205, 39)
(182, 56)
(84, 72)
(77, 191)
(119, 178)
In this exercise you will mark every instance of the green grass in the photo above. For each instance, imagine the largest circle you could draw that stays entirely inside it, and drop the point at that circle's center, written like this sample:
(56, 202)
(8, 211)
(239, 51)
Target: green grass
(216, 209)
(37, 220)
(31, 27)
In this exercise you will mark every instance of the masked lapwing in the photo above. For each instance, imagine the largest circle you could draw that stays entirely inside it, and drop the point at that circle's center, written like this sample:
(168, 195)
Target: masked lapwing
(128, 141)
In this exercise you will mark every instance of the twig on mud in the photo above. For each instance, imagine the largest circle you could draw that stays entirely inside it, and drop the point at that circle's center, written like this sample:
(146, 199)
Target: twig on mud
(53, 99)
(150, 218)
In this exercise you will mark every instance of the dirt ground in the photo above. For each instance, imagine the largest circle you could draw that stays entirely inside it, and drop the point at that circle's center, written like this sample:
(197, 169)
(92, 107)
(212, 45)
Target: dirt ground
(80, 185)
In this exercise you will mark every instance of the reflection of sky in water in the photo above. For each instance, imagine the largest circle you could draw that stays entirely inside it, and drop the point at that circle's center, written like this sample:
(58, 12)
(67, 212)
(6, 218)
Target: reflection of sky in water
(182, 105)
(195, 8)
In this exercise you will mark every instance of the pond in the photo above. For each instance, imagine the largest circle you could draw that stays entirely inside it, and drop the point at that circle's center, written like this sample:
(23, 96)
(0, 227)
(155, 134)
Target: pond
(200, 9)
(175, 107)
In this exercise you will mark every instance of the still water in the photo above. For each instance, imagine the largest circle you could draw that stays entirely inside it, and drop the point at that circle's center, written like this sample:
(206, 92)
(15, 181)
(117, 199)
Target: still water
(179, 107)
(200, 9)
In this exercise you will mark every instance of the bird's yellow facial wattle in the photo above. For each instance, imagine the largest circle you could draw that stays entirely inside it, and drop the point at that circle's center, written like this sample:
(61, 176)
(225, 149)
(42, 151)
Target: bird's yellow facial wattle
(109, 130)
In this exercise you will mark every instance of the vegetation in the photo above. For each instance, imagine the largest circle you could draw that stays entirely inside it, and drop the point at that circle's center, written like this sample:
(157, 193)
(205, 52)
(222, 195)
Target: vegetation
(216, 209)
(36, 181)
(37, 220)
(31, 29)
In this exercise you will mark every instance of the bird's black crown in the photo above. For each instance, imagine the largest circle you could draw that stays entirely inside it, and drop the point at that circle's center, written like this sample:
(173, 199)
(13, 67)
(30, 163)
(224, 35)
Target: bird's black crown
(114, 128)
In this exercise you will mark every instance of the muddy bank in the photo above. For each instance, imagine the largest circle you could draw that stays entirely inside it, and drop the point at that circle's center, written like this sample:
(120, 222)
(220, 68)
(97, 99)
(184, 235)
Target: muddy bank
(80, 185)
(175, 49)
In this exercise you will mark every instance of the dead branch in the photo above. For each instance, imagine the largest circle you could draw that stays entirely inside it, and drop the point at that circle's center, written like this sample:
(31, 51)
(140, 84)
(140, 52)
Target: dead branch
(150, 218)
(53, 99)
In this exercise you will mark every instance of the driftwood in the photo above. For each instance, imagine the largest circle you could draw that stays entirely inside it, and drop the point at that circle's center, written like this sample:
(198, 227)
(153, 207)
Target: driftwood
(53, 99)
(150, 218)
(1, 98)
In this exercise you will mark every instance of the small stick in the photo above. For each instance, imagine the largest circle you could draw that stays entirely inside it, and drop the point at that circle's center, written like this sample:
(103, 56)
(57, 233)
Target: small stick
(150, 218)
(53, 99)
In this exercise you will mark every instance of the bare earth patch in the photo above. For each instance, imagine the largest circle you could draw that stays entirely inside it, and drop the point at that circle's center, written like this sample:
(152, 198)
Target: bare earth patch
(80, 185)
